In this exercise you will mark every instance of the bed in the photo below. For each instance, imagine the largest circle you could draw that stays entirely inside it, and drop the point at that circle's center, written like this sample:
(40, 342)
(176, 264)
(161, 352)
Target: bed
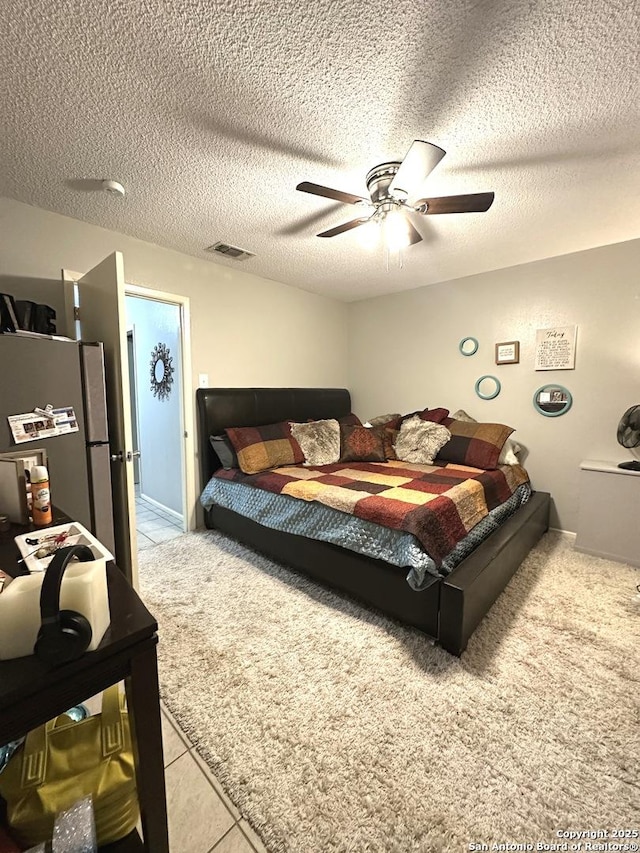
(446, 608)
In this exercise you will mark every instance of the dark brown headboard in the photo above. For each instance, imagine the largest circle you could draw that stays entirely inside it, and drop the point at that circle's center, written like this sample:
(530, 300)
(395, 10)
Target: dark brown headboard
(219, 408)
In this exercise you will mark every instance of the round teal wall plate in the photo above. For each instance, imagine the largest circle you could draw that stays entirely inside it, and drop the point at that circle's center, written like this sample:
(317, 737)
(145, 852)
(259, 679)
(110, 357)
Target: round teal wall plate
(468, 346)
(496, 390)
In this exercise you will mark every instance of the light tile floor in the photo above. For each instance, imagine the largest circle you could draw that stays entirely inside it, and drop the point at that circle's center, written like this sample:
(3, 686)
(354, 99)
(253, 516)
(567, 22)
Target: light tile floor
(154, 525)
(202, 819)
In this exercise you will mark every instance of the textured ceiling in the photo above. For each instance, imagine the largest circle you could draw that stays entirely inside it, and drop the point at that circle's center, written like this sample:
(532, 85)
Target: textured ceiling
(211, 112)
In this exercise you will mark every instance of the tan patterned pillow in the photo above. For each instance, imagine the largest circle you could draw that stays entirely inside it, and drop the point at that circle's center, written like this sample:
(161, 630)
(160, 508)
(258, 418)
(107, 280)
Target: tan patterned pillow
(319, 440)
(419, 441)
(263, 447)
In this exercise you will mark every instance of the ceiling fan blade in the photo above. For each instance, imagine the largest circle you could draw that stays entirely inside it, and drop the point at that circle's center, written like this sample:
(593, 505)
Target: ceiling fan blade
(414, 235)
(471, 203)
(424, 228)
(420, 161)
(327, 192)
(339, 229)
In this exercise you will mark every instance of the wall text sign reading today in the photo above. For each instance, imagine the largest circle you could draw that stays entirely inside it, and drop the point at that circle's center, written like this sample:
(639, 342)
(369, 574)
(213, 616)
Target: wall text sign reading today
(556, 348)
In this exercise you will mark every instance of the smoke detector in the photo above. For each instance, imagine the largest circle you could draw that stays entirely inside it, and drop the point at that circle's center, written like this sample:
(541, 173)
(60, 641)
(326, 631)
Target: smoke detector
(113, 188)
(229, 251)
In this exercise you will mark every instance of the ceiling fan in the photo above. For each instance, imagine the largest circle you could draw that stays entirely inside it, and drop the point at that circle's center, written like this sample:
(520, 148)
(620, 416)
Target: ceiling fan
(392, 188)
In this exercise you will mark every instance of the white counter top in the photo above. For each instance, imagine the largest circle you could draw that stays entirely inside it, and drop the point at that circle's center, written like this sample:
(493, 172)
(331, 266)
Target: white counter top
(607, 467)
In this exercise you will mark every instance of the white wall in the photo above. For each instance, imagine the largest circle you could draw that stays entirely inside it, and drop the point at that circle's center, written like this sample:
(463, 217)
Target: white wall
(245, 330)
(160, 426)
(403, 355)
(395, 352)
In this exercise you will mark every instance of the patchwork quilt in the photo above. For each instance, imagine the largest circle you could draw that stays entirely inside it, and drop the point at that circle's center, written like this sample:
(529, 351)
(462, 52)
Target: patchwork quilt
(439, 504)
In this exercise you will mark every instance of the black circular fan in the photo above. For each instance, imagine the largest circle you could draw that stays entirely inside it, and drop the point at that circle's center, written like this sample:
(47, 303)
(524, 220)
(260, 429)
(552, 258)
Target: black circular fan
(629, 435)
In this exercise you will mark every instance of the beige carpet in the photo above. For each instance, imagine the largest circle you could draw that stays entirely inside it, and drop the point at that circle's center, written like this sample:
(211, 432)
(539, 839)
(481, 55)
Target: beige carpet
(335, 729)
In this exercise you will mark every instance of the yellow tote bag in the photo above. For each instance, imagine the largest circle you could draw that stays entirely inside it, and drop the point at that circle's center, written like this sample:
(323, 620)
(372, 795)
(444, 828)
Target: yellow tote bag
(64, 761)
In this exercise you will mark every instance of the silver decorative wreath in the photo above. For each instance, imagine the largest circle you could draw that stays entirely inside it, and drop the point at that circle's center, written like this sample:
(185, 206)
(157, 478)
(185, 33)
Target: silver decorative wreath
(161, 371)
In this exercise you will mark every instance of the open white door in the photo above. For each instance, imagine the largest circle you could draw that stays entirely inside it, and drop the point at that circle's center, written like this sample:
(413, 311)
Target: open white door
(102, 317)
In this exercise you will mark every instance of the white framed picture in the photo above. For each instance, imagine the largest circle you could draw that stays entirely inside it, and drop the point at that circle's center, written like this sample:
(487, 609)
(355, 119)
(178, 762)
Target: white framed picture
(508, 352)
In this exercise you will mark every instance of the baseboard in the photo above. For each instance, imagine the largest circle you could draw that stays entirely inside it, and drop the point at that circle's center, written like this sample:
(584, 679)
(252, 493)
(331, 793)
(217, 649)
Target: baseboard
(563, 532)
(177, 515)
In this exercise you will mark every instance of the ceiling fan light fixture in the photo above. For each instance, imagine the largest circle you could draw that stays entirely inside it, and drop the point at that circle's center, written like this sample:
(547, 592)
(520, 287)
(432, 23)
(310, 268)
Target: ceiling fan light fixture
(396, 231)
(368, 235)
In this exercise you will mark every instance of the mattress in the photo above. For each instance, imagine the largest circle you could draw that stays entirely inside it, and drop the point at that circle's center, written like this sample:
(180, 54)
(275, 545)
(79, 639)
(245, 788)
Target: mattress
(316, 520)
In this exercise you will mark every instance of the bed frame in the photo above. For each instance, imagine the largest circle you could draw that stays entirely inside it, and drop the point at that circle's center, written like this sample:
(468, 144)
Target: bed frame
(448, 610)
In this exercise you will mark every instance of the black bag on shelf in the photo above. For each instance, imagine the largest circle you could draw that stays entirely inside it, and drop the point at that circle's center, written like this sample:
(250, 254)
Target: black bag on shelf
(8, 313)
(34, 317)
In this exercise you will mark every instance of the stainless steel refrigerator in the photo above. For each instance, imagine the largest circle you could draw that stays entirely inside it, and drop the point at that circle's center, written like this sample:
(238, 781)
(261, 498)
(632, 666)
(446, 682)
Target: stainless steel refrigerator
(37, 371)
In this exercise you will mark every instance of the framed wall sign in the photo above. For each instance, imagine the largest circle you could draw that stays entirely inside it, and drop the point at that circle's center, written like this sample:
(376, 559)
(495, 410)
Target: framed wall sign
(556, 348)
(508, 352)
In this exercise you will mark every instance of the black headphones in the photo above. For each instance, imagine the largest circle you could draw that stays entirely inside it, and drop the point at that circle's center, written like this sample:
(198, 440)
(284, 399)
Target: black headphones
(64, 634)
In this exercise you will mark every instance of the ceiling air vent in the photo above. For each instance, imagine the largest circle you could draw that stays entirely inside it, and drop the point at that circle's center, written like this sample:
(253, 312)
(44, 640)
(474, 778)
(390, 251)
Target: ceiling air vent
(229, 251)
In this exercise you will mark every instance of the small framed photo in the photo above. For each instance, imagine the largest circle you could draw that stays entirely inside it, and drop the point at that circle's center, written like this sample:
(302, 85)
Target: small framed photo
(508, 352)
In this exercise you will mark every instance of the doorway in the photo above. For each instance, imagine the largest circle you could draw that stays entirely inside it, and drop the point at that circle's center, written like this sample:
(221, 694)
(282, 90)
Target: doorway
(95, 311)
(156, 350)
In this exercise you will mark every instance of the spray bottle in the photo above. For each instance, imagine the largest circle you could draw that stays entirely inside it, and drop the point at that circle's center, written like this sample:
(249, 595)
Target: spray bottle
(41, 496)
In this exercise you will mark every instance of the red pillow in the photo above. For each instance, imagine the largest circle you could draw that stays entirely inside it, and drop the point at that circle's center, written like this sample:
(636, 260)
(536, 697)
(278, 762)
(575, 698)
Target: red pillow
(438, 416)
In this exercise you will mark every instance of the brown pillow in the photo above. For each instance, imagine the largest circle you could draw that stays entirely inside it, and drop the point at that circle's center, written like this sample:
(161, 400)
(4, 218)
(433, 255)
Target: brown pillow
(361, 444)
(263, 447)
(350, 419)
(509, 454)
(476, 445)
